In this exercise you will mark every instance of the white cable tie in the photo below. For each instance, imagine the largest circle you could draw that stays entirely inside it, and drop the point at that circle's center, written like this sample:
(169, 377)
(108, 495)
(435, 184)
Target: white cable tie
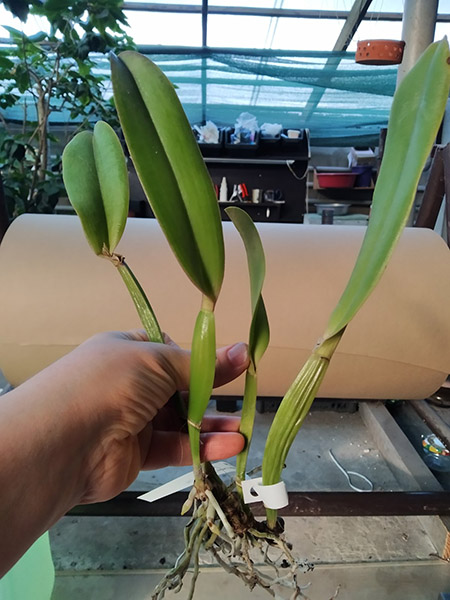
(350, 474)
(273, 496)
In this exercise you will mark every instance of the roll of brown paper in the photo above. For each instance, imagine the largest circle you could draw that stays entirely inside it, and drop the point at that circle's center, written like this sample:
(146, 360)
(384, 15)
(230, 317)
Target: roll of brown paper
(55, 293)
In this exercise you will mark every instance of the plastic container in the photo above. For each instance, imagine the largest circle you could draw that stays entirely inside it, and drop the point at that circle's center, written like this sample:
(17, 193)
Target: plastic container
(272, 143)
(242, 148)
(336, 180)
(436, 455)
(211, 149)
(363, 175)
(291, 140)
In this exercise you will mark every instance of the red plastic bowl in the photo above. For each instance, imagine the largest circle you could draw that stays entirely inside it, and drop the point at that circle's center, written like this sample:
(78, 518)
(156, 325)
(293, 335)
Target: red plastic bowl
(336, 180)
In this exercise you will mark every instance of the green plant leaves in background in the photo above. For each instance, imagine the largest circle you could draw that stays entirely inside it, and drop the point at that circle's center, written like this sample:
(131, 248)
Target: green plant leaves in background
(416, 115)
(96, 179)
(170, 167)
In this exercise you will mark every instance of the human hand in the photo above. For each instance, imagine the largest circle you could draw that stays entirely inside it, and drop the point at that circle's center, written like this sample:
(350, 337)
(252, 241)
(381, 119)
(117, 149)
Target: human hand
(124, 384)
(80, 430)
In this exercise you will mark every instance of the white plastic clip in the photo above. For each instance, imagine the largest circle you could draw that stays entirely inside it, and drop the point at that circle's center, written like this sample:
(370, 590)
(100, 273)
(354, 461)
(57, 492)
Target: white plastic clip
(273, 496)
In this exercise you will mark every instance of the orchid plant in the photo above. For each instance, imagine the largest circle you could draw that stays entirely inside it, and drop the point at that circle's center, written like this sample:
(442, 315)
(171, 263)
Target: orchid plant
(179, 189)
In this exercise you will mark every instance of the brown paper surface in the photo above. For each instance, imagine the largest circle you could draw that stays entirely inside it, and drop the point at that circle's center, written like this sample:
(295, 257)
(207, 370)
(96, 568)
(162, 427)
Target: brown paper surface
(55, 292)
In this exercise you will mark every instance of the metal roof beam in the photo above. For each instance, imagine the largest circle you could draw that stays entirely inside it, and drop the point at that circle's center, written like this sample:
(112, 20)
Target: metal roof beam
(264, 12)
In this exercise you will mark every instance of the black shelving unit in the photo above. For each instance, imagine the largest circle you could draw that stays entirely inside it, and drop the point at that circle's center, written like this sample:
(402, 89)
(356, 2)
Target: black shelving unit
(275, 164)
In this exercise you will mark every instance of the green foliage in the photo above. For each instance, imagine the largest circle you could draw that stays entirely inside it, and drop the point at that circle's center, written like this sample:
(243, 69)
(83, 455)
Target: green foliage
(20, 8)
(259, 328)
(170, 168)
(96, 179)
(416, 114)
(178, 186)
(50, 73)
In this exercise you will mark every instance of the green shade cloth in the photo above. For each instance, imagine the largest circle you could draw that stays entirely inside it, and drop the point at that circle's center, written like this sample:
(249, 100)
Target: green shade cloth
(342, 103)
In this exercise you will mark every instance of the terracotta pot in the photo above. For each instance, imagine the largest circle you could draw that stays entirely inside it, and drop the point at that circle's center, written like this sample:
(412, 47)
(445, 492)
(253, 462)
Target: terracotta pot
(379, 52)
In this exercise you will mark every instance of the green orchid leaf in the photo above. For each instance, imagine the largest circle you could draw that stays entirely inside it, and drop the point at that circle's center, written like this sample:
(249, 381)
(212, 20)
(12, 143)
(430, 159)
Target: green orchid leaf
(170, 168)
(259, 330)
(113, 178)
(96, 179)
(416, 114)
(83, 188)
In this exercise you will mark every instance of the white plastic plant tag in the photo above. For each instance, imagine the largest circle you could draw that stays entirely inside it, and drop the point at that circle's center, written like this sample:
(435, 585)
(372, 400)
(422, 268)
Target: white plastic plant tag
(273, 496)
(181, 483)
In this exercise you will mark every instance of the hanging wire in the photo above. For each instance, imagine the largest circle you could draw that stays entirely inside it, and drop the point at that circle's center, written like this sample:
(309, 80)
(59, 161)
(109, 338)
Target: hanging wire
(350, 474)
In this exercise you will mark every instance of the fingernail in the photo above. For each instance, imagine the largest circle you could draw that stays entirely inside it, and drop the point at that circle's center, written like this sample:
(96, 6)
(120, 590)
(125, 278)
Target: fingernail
(237, 354)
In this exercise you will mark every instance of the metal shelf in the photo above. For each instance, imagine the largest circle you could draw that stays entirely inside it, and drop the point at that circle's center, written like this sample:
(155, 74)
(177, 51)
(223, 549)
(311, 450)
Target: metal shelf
(249, 161)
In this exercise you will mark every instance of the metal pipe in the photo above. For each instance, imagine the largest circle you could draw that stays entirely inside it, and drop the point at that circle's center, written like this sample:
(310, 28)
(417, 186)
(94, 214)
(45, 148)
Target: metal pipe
(301, 504)
(419, 23)
(265, 12)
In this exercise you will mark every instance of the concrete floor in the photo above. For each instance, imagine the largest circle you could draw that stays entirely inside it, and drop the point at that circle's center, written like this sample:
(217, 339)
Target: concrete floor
(393, 581)
(369, 558)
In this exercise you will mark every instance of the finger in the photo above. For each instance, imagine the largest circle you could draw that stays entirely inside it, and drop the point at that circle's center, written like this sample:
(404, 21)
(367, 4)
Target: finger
(230, 363)
(220, 423)
(172, 448)
(169, 420)
(134, 335)
(169, 341)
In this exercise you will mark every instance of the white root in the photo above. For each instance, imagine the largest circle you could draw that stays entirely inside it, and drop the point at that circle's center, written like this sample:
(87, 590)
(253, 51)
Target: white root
(220, 514)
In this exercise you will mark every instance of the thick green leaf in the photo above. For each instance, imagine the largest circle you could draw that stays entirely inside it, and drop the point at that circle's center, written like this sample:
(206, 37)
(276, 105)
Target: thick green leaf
(83, 188)
(113, 178)
(96, 180)
(416, 114)
(259, 330)
(170, 168)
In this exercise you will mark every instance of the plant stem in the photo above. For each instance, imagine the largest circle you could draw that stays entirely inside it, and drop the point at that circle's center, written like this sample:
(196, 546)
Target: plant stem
(146, 315)
(292, 412)
(203, 362)
(141, 302)
(247, 423)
